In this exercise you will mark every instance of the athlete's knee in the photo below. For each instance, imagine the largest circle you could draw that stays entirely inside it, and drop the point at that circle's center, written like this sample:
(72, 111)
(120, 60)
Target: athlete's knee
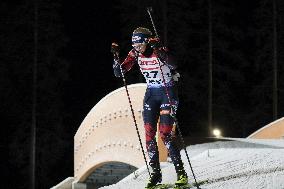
(165, 112)
(166, 124)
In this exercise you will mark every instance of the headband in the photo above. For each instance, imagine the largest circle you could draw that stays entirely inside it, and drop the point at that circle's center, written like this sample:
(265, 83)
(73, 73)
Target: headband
(139, 38)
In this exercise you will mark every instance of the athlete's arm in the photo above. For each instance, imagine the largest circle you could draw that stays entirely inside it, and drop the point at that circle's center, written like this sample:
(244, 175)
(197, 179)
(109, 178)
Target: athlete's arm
(167, 58)
(126, 65)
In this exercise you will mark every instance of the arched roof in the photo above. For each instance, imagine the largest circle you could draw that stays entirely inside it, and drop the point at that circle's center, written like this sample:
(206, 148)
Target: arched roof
(274, 130)
(108, 133)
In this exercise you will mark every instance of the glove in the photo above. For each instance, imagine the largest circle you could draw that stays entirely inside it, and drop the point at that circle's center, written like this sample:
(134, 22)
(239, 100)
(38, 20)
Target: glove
(114, 48)
(176, 76)
(154, 42)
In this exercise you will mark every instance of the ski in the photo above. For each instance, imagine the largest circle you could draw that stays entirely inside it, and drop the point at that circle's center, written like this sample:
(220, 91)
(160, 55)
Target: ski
(172, 186)
(159, 186)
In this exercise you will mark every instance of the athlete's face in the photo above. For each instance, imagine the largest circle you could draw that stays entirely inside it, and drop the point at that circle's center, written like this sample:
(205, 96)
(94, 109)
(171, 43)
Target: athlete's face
(140, 47)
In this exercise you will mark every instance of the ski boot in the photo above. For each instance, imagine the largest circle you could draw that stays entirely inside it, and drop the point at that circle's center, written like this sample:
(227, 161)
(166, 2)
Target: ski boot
(156, 177)
(182, 178)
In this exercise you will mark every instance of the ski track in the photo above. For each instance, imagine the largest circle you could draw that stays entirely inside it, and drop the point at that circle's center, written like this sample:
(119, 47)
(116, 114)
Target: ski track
(222, 166)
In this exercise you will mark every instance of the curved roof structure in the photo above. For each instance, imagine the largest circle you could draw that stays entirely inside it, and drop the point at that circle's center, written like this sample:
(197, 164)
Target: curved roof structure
(274, 130)
(108, 134)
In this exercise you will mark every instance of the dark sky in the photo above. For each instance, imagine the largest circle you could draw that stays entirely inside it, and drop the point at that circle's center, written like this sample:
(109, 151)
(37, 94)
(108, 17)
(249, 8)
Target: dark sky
(90, 28)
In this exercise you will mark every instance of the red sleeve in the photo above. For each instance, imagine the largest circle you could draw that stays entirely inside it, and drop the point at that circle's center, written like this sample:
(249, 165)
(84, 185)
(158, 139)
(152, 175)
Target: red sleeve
(129, 61)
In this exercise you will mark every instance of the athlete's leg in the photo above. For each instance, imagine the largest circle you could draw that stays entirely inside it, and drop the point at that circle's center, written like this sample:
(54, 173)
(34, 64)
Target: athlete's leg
(165, 129)
(150, 117)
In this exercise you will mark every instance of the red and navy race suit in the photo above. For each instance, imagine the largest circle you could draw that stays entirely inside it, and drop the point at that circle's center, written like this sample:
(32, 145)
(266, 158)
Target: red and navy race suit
(156, 103)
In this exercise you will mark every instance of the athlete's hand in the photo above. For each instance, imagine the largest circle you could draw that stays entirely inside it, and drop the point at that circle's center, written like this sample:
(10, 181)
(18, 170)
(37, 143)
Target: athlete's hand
(176, 76)
(114, 49)
(154, 42)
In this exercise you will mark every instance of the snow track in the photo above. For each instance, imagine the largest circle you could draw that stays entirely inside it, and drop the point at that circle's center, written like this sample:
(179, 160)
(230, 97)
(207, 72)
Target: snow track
(224, 165)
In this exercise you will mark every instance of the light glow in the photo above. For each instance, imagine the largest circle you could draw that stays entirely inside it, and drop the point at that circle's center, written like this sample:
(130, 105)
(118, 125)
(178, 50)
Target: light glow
(216, 132)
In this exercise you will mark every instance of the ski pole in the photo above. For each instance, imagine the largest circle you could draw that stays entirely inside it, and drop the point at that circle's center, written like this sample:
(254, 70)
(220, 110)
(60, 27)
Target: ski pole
(149, 9)
(132, 111)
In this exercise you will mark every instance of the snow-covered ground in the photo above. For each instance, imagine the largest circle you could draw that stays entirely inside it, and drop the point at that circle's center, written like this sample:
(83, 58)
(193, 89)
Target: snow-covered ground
(239, 164)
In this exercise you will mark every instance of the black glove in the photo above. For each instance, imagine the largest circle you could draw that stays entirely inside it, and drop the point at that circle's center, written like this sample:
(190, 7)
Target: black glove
(176, 76)
(114, 48)
(154, 42)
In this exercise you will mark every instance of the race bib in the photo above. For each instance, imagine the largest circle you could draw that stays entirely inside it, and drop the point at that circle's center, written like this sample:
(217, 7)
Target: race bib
(150, 68)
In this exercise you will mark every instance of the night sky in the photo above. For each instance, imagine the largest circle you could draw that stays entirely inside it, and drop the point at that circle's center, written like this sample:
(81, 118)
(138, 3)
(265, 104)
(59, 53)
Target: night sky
(74, 71)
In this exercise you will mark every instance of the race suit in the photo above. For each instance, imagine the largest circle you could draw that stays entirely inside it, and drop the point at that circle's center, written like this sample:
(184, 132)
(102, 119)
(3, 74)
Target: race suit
(156, 103)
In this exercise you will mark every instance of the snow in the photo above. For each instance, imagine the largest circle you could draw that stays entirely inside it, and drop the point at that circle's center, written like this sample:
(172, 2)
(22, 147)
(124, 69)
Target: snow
(238, 164)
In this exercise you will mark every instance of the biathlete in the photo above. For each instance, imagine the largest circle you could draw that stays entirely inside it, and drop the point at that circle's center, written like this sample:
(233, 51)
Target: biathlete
(160, 74)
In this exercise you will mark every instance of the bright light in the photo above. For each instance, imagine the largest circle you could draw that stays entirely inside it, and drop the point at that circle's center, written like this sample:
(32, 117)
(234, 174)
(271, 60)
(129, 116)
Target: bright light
(216, 132)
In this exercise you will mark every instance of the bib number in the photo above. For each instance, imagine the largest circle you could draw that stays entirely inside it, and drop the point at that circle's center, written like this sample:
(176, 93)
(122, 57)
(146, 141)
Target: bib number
(151, 74)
